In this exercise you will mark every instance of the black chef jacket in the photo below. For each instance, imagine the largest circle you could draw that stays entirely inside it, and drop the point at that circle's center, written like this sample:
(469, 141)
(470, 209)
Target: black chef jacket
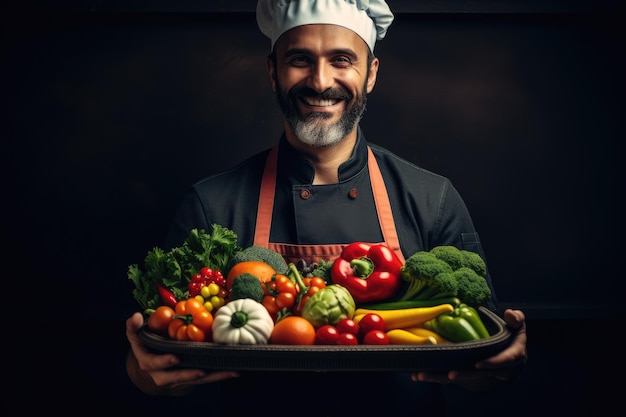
(428, 211)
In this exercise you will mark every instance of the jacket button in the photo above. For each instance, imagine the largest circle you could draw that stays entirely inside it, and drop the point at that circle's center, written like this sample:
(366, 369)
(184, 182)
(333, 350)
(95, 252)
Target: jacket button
(353, 193)
(305, 194)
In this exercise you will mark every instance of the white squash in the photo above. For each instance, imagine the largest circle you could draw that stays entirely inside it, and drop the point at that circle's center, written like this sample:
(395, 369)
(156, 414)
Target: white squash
(244, 321)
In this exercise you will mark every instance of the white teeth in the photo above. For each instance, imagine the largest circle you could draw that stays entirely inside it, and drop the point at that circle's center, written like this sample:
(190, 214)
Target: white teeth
(319, 103)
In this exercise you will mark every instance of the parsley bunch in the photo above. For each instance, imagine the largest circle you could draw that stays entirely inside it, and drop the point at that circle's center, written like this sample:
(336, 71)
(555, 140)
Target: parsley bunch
(174, 269)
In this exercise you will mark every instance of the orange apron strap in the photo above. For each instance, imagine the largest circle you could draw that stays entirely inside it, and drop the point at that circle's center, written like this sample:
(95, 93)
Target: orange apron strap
(383, 206)
(266, 200)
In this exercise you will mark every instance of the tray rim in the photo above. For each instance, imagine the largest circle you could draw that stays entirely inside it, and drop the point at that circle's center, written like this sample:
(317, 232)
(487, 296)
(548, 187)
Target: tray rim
(191, 351)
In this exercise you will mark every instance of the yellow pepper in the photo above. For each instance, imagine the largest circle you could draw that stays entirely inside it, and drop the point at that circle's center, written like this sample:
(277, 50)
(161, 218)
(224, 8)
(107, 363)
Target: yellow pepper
(424, 332)
(406, 317)
(404, 337)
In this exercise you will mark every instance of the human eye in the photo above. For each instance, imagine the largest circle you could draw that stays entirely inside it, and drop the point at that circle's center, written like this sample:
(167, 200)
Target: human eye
(299, 61)
(342, 61)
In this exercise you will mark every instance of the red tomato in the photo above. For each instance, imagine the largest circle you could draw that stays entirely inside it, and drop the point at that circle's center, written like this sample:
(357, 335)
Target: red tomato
(369, 322)
(347, 326)
(376, 337)
(347, 339)
(326, 335)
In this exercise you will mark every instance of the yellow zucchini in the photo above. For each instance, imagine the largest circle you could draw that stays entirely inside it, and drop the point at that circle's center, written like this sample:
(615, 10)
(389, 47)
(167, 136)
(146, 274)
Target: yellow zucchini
(424, 332)
(404, 337)
(406, 317)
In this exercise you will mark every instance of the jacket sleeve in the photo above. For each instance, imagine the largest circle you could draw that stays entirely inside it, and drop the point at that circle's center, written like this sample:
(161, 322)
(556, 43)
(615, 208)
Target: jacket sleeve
(454, 226)
(190, 215)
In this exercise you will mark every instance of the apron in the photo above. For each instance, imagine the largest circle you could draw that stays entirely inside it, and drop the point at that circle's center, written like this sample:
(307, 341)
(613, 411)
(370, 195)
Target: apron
(315, 253)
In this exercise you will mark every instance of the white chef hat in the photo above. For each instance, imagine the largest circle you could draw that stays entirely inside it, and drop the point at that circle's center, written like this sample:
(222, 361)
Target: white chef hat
(367, 18)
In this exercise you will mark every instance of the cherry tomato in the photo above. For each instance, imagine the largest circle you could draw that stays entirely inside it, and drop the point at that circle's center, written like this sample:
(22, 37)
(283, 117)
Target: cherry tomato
(318, 282)
(369, 322)
(285, 285)
(285, 300)
(269, 302)
(376, 337)
(347, 325)
(160, 319)
(326, 335)
(205, 271)
(269, 287)
(347, 339)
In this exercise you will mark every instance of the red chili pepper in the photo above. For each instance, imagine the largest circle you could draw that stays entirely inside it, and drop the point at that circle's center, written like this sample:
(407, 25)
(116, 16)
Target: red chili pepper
(371, 272)
(166, 295)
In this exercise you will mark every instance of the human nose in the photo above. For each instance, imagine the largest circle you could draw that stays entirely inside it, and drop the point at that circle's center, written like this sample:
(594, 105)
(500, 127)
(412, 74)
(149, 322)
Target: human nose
(320, 78)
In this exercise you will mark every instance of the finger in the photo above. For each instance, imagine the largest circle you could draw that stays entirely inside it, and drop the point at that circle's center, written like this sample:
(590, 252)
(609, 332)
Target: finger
(513, 355)
(217, 376)
(514, 318)
(147, 361)
(432, 377)
(186, 377)
(134, 323)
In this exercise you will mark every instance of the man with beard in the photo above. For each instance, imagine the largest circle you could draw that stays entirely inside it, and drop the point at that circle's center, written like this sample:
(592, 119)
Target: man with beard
(320, 188)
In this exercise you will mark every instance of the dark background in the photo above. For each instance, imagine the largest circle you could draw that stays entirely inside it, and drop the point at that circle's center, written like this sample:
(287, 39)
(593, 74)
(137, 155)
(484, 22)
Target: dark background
(110, 111)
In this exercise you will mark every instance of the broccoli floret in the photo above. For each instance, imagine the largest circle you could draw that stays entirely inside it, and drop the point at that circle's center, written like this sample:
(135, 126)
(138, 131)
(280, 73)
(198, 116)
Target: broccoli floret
(246, 286)
(458, 258)
(450, 255)
(473, 289)
(428, 277)
(473, 261)
(259, 253)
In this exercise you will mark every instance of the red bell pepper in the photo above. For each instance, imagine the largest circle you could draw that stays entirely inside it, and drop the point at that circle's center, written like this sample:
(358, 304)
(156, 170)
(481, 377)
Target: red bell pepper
(370, 272)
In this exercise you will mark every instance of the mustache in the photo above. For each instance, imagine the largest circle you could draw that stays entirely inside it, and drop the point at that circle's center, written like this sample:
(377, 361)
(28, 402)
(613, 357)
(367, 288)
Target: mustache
(329, 94)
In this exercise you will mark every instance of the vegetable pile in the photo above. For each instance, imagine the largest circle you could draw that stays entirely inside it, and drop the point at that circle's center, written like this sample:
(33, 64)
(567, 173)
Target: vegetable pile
(211, 290)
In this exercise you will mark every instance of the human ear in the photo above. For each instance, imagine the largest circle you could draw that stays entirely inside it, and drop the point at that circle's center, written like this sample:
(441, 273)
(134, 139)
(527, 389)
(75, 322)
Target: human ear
(372, 74)
(271, 71)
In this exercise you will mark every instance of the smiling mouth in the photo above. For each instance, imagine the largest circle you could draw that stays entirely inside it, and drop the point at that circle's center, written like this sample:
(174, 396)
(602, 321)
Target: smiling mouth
(315, 102)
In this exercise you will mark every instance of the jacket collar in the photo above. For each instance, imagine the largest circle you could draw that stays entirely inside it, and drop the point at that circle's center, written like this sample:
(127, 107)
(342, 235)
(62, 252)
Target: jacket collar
(300, 171)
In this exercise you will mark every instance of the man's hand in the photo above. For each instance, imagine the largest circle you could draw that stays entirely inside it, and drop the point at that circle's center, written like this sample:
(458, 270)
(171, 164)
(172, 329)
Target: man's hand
(157, 373)
(492, 372)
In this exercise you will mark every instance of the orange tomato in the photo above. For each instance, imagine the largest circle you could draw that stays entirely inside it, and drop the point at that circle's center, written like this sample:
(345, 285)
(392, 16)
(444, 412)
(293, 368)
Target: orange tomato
(160, 319)
(293, 330)
(263, 271)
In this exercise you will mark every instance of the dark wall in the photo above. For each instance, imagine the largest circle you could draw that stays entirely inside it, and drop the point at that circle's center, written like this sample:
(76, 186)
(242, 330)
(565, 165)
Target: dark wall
(107, 118)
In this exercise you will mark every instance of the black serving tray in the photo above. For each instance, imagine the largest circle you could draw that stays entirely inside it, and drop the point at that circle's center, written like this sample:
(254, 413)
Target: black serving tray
(272, 357)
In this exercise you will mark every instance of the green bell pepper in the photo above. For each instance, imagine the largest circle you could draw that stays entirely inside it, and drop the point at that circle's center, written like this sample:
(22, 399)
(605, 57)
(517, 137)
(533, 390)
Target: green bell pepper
(470, 314)
(463, 324)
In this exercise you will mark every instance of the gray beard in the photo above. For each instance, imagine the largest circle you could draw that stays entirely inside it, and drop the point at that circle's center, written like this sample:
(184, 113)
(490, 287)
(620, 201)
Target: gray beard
(313, 131)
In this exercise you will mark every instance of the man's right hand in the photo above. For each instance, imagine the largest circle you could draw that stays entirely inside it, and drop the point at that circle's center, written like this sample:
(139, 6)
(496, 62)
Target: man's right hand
(158, 373)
